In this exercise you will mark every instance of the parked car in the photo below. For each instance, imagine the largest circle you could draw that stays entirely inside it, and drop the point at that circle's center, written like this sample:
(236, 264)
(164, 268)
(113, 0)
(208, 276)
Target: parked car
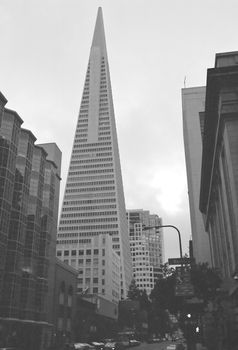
(98, 345)
(171, 347)
(134, 342)
(114, 346)
(83, 346)
(153, 340)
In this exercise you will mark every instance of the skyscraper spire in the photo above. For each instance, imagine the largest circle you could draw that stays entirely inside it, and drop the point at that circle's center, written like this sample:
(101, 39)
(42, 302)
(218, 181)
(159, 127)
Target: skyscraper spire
(99, 34)
(94, 204)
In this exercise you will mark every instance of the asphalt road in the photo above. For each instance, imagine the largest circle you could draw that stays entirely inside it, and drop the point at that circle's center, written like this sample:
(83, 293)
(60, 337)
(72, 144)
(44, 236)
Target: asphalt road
(155, 346)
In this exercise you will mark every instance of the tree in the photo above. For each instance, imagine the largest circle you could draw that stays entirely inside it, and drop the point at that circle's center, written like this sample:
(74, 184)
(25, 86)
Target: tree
(206, 281)
(134, 291)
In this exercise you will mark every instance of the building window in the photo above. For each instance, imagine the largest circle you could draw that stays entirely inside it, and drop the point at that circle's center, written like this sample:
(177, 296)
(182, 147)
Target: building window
(103, 252)
(73, 263)
(95, 290)
(59, 252)
(66, 253)
(95, 261)
(73, 252)
(95, 280)
(80, 261)
(81, 252)
(96, 251)
(88, 252)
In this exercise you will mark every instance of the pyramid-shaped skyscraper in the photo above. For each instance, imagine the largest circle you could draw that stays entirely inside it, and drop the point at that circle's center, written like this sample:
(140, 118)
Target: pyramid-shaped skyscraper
(93, 203)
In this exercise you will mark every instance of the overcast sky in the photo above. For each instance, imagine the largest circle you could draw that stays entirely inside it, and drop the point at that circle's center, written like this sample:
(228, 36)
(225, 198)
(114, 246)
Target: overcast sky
(152, 46)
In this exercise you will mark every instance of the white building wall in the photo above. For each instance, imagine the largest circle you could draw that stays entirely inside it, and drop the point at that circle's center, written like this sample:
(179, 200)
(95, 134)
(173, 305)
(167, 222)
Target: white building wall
(193, 102)
(147, 247)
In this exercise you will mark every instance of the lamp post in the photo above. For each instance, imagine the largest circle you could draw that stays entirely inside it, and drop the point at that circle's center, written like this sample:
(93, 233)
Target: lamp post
(160, 226)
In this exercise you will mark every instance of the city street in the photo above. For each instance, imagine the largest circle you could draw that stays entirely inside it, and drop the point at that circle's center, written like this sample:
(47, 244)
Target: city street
(155, 346)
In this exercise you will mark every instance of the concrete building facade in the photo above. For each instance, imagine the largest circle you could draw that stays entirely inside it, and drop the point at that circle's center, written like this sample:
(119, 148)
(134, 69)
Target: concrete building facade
(219, 176)
(193, 107)
(147, 247)
(93, 201)
(97, 263)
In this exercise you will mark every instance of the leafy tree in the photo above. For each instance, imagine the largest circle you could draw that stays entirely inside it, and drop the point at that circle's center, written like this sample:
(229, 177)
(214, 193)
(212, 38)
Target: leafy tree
(134, 291)
(206, 281)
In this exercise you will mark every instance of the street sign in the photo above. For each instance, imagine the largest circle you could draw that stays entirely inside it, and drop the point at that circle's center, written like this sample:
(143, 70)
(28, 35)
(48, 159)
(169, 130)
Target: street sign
(179, 261)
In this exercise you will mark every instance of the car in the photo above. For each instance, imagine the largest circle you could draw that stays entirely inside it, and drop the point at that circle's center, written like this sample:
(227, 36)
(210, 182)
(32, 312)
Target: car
(171, 347)
(114, 346)
(153, 340)
(98, 345)
(83, 346)
(134, 342)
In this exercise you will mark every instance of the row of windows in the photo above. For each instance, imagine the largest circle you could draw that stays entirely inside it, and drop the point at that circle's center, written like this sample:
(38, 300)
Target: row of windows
(92, 160)
(91, 149)
(100, 213)
(88, 166)
(92, 183)
(80, 140)
(90, 201)
(80, 121)
(104, 138)
(90, 195)
(95, 207)
(88, 234)
(93, 227)
(78, 135)
(90, 155)
(89, 178)
(95, 144)
(84, 221)
(73, 173)
(65, 241)
(91, 189)
(104, 133)
(103, 114)
(104, 127)
(104, 118)
(74, 252)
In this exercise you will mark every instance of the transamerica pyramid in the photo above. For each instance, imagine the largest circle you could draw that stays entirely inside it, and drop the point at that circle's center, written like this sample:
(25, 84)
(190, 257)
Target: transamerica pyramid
(93, 204)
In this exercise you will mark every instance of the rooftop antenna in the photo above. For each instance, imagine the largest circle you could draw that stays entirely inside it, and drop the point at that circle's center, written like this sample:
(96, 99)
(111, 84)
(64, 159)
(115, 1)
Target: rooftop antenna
(184, 82)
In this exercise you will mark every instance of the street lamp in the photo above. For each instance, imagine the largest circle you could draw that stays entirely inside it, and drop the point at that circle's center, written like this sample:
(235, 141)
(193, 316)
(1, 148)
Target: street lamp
(160, 226)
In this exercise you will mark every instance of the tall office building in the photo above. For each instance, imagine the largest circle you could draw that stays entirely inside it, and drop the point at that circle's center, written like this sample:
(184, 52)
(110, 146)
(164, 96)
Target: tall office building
(29, 196)
(193, 105)
(147, 247)
(93, 201)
